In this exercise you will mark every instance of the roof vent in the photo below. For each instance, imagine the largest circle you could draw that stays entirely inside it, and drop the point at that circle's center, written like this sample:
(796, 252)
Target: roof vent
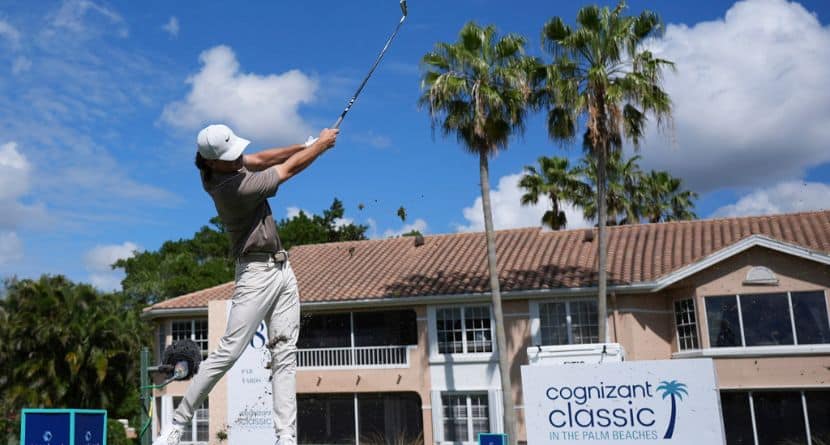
(419, 240)
(760, 275)
(588, 235)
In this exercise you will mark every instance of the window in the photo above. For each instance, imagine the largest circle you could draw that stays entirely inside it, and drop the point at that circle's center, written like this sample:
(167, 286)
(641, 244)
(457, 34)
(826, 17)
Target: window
(737, 418)
(568, 322)
(162, 341)
(684, 316)
(792, 318)
(776, 417)
(464, 330)
(385, 328)
(198, 430)
(810, 313)
(766, 320)
(465, 416)
(325, 331)
(818, 411)
(724, 326)
(196, 330)
(371, 328)
(326, 418)
(373, 418)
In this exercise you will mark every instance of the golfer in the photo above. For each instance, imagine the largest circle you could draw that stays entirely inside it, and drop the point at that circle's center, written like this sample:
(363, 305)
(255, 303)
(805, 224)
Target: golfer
(266, 288)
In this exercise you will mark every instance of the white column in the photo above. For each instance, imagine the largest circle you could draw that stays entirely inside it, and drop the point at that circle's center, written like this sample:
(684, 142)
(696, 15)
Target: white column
(495, 410)
(437, 416)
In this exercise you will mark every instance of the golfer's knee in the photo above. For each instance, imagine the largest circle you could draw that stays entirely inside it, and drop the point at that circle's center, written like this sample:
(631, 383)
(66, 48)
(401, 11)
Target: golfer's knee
(283, 352)
(229, 351)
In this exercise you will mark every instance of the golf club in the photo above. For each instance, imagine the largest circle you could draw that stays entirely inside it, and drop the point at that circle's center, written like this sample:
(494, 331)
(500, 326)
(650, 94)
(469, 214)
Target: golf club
(377, 61)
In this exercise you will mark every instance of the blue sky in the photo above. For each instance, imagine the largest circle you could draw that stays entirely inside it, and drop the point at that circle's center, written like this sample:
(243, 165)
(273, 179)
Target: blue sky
(100, 103)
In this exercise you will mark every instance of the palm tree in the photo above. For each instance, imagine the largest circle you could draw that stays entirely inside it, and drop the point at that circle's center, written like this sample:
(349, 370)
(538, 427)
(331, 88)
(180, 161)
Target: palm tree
(556, 181)
(68, 345)
(477, 89)
(602, 75)
(665, 200)
(623, 196)
(675, 390)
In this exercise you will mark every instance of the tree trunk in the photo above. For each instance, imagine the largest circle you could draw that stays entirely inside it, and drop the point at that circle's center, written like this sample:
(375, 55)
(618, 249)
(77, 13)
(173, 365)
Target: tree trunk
(602, 249)
(495, 290)
(672, 419)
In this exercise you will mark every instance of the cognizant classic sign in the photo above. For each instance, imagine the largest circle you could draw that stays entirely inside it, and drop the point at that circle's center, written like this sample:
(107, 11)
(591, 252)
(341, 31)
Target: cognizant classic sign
(667, 401)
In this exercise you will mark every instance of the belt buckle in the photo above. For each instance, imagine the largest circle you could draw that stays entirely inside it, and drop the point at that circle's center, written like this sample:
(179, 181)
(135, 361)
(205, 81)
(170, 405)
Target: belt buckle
(280, 257)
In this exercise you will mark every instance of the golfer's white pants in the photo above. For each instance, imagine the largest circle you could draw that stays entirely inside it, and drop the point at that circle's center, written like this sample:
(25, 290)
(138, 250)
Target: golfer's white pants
(264, 290)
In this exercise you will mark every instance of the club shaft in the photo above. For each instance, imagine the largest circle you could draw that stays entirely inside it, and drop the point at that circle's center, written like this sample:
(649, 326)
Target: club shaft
(366, 79)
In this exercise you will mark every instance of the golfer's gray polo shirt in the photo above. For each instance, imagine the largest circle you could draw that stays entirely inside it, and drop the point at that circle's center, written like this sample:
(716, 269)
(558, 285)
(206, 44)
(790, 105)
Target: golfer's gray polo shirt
(241, 200)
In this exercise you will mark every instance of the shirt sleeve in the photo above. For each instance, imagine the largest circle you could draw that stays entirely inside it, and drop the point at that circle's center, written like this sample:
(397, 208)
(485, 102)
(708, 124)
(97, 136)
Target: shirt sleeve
(262, 184)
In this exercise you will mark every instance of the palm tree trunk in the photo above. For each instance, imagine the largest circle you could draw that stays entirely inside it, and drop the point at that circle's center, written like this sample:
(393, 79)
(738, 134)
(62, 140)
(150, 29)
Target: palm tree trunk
(602, 249)
(495, 291)
(672, 419)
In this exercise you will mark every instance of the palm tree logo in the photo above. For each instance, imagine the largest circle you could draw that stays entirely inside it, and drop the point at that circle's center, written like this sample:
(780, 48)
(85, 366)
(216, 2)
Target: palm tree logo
(676, 390)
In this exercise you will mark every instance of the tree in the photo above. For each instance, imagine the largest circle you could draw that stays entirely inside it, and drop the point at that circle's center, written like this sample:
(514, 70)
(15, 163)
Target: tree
(65, 344)
(664, 199)
(675, 390)
(315, 229)
(602, 75)
(624, 192)
(557, 181)
(178, 267)
(476, 89)
(188, 265)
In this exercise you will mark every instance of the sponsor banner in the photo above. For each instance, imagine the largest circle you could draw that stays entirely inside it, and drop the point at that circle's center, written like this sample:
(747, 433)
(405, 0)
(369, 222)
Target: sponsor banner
(637, 402)
(250, 405)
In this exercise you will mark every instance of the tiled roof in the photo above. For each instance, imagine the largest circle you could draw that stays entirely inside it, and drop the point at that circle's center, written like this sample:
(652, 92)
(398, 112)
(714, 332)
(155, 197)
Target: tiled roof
(529, 259)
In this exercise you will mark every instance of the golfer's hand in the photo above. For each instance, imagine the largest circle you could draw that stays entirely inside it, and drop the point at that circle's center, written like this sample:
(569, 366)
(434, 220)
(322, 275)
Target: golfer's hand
(328, 137)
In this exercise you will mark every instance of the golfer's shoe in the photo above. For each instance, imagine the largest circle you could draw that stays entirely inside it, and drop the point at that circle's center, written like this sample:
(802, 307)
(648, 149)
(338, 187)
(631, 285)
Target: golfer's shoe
(170, 435)
(287, 440)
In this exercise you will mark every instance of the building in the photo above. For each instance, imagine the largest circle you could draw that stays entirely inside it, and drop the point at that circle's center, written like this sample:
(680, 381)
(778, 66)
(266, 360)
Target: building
(397, 337)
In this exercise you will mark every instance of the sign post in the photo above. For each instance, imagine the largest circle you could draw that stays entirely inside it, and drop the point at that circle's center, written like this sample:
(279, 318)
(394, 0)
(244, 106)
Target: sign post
(635, 402)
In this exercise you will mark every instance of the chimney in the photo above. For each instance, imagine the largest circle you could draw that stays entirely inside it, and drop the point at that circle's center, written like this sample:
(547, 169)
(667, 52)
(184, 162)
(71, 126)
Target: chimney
(588, 235)
(419, 240)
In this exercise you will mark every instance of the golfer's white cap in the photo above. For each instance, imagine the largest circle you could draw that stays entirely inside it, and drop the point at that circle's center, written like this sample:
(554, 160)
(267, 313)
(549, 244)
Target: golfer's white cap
(219, 142)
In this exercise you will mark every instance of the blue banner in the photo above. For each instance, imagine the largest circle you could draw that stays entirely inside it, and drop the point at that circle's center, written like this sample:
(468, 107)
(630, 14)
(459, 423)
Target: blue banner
(89, 429)
(47, 428)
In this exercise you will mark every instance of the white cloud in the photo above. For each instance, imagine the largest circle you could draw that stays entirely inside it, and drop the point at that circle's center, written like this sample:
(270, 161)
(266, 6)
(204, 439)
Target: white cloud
(374, 140)
(98, 262)
(15, 183)
(751, 102)
(509, 213)
(291, 212)
(256, 106)
(14, 172)
(87, 18)
(21, 64)
(785, 197)
(11, 248)
(172, 27)
(10, 33)
(340, 222)
(419, 225)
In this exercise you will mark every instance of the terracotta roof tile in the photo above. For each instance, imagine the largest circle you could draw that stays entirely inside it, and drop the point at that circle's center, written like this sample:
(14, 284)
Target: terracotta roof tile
(528, 258)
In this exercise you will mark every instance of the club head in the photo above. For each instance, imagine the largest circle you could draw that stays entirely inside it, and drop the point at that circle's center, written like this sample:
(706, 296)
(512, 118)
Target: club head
(403, 7)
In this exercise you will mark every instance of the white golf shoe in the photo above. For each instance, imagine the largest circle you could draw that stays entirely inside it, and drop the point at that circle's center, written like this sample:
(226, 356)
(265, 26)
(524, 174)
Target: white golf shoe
(170, 435)
(287, 440)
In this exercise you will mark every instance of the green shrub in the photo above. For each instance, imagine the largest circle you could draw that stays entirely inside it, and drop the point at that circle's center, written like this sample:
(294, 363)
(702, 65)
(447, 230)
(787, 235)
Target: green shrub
(116, 434)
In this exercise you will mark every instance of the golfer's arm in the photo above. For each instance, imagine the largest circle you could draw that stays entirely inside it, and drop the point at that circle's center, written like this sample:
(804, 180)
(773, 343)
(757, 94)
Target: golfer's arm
(299, 161)
(270, 157)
